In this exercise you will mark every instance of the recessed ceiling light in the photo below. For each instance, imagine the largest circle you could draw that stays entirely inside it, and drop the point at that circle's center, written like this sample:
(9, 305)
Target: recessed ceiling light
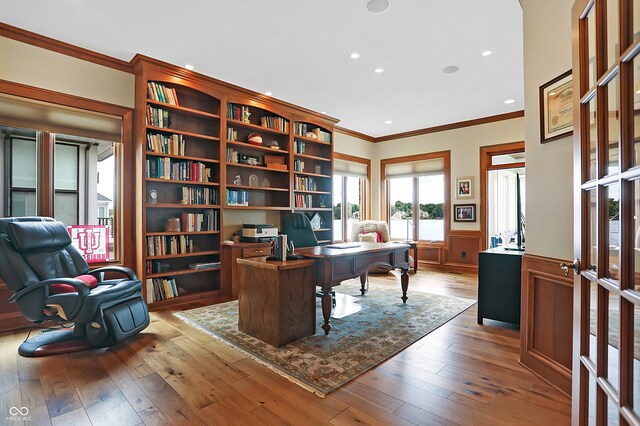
(388, 122)
(189, 67)
(354, 55)
(487, 52)
(268, 93)
(323, 112)
(509, 101)
(377, 6)
(379, 70)
(450, 69)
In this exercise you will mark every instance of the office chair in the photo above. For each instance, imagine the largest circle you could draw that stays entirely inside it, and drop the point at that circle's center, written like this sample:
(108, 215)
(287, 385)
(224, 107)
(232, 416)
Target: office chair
(52, 282)
(298, 229)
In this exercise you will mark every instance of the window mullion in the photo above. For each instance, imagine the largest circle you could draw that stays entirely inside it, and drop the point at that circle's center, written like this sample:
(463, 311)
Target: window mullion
(44, 191)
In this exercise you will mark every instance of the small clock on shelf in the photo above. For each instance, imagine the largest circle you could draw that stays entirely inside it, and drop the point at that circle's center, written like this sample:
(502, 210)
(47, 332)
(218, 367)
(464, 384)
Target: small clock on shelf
(152, 196)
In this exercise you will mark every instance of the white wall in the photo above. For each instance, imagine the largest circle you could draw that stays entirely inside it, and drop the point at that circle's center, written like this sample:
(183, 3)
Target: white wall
(547, 54)
(34, 66)
(464, 145)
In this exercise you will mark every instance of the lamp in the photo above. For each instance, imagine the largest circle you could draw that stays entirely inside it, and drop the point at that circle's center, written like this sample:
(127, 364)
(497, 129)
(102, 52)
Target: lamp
(377, 6)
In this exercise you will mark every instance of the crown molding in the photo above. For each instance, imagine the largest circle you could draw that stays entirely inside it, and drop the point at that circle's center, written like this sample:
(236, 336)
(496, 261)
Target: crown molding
(355, 134)
(28, 37)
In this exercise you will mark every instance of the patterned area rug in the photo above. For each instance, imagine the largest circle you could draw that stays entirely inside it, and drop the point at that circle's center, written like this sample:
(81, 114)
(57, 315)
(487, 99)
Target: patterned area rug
(356, 343)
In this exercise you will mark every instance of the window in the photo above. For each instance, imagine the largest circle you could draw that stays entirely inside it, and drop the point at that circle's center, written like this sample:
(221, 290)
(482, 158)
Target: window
(417, 194)
(21, 145)
(350, 180)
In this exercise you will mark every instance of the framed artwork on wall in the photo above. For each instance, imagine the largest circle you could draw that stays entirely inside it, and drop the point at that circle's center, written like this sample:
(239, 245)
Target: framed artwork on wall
(464, 187)
(464, 212)
(556, 108)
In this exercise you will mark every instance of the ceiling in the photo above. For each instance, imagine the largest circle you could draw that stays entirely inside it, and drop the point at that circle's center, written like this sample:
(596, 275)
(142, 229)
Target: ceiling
(299, 50)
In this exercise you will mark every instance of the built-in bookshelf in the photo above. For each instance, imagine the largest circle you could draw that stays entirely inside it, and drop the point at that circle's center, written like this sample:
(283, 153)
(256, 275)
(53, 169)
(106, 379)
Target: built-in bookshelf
(312, 185)
(181, 218)
(257, 163)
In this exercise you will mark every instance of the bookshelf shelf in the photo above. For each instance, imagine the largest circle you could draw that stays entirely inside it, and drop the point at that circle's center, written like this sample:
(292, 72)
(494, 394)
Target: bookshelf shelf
(314, 209)
(247, 166)
(183, 157)
(245, 145)
(182, 182)
(308, 139)
(181, 206)
(258, 188)
(322, 229)
(185, 298)
(151, 234)
(313, 157)
(257, 208)
(313, 174)
(302, 191)
(258, 128)
(182, 272)
(192, 254)
(183, 109)
(182, 132)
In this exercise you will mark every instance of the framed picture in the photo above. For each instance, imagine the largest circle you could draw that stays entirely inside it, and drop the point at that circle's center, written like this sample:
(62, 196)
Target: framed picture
(464, 212)
(464, 187)
(556, 108)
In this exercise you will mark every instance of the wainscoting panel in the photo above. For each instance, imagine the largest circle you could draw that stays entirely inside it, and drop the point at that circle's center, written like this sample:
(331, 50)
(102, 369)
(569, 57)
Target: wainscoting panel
(430, 255)
(546, 320)
(463, 248)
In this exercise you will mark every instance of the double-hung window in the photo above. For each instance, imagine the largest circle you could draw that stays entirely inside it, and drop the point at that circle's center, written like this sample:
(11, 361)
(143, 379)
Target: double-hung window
(350, 187)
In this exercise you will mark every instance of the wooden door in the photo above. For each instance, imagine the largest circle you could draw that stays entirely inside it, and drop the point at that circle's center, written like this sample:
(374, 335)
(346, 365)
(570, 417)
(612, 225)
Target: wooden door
(606, 77)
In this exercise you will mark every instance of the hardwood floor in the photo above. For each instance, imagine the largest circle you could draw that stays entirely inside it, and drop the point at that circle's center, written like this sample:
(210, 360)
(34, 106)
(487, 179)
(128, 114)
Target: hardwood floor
(462, 373)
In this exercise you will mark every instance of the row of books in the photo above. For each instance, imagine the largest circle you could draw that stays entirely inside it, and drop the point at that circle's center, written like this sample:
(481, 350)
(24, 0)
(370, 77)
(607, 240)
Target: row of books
(173, 244)
(165, 144)
(238, 112)
(189, 195)
(158, 117)
(321, 135)
(162, 288)
(156, 267)
(196, 222)
(232, 134)
(303, 201)
(167, 168)
(161, 93)
(298, 165)
(232, 156)
(298, 147)
(275, 123)
(305, 184)
(237, 197)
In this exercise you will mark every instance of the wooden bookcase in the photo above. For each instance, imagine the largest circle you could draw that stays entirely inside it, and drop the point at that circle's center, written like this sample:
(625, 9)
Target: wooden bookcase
(257, 175)
(210, 125)
(312, 185)
(178, 127)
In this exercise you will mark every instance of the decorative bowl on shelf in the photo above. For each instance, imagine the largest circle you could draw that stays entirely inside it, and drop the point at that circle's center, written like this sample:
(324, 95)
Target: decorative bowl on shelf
(254, 139)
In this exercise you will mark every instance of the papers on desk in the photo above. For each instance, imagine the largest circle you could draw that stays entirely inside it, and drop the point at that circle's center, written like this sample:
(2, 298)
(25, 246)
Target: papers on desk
(343, 245)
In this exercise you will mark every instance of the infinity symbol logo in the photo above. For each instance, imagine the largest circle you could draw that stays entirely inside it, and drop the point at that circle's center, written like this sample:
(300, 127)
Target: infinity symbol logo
(14, 411)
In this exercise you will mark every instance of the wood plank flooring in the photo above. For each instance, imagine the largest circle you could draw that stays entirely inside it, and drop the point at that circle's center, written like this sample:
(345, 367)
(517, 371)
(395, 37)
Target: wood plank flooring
(460, 374)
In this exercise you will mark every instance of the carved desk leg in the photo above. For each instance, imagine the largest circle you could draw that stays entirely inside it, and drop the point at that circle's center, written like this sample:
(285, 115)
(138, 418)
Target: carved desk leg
(363, 282)
(326, 308)
(404, 282)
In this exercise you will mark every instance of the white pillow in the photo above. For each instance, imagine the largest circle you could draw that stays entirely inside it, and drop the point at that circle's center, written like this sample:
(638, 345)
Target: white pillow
(370, 237)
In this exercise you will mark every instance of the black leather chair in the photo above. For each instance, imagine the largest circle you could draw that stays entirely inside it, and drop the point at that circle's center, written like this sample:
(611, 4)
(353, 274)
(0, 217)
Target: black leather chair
(298, 229)
(52, 282)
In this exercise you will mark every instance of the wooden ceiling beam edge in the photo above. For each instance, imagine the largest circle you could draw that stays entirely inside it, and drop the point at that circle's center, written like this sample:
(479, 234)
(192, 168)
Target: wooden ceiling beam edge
(38, 40)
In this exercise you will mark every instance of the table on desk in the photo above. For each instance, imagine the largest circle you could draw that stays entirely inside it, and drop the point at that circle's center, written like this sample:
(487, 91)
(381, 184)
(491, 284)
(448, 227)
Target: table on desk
(334, 265)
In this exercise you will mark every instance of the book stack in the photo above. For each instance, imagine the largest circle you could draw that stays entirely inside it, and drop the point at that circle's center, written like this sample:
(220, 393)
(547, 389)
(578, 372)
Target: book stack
(298, 147)
(305, 184)
(164, 144)
(298, 165)
(238, 112)
(321, 135)
(158, 117)
(275, 123)
(168, 245)
(300, 129)
(161, 93)
(161, 288)
(237, 197)
(232, 134)
(196, 222)
(167, 168)
(189, 195)
(303, 201)
(232, 156)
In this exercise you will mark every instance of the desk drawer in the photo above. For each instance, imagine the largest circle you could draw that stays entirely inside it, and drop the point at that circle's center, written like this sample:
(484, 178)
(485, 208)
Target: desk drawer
(249, 252)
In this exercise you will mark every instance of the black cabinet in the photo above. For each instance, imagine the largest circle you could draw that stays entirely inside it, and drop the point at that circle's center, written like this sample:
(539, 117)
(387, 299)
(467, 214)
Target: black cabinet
(499, 285)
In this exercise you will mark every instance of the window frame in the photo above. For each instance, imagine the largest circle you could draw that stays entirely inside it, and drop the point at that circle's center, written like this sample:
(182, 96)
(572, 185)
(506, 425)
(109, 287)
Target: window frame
(124, 156)
(365, 182)
(386, 205)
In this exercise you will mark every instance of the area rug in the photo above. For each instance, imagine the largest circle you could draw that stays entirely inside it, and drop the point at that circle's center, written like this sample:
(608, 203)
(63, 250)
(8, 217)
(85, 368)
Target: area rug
(356, 343)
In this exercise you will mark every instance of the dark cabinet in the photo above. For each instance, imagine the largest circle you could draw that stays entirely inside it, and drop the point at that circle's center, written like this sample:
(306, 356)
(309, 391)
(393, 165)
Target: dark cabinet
(499, 285)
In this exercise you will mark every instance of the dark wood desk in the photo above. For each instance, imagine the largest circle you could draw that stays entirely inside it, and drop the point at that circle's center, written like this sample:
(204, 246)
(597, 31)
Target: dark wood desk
(335, 265)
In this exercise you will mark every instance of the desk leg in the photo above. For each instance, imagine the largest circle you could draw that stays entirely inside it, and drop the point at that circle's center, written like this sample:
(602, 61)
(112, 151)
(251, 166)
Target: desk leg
(326, 309)
(415, 259)
(404, 282)
(363, 282)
